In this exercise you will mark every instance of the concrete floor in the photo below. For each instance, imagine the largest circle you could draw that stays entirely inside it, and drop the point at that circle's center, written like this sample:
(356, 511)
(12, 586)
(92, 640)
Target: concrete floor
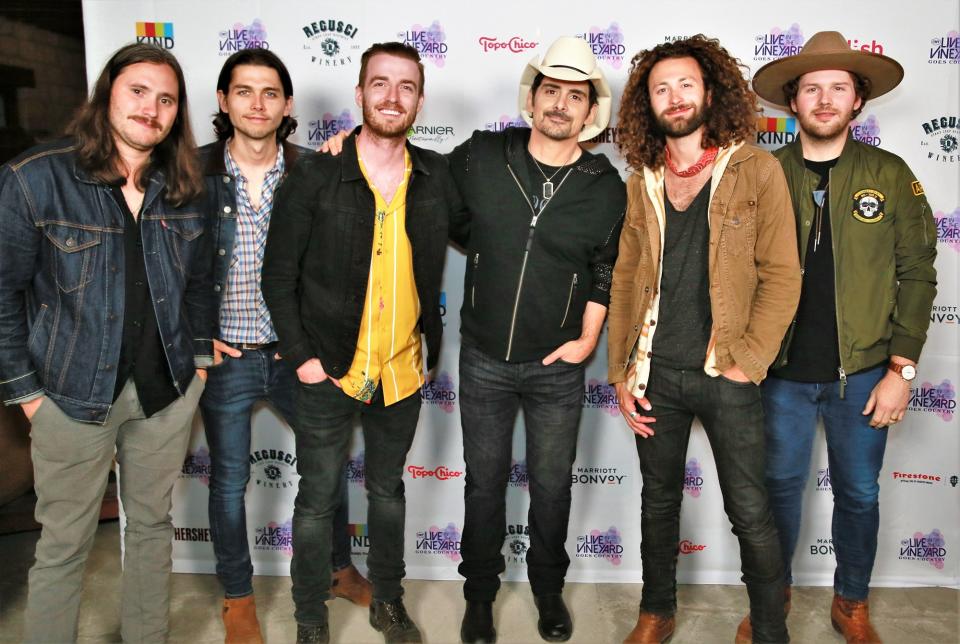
(601, 612)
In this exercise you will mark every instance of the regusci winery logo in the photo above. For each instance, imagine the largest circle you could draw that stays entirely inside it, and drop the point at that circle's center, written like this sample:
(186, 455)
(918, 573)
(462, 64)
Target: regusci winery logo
(945, 49)
(823, 480)
(241, 36)
(192, 535)
(441, 473)
(943, 314)
(515, 544)
(822, 548)
(931, 548)
(866, 130)
(601, 544)
(430, 42)
(155, 33)
(778, 43)
(504, 122)
(518, 474)
(331, 43)
(273, 469)
(326, 126)
(275, 537)
(922, 479)
(440, 391)
(607, 44)
(513, 44)
(688, 547)
(196, 465)
(441, 542)
(948, 228)
(597, 476)
(597, 394)
(359, 538)
(693, 478)
(936, 399)
(774, 132)
(941, 139)
(356, 469)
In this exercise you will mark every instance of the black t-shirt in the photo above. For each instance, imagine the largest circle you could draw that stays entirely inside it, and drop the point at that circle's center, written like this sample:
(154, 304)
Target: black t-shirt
(815, 350)
(685, 319)
(539, 175)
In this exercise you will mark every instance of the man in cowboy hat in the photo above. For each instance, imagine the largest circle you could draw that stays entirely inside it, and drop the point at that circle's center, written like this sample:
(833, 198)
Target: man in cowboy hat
(541, 238)
(867, 244)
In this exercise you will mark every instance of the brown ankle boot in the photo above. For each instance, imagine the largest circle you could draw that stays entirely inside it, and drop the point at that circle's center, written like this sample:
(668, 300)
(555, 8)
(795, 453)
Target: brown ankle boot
(350, 584)
(651, 629)
(745, 630)
(240, 621)
(852, 620)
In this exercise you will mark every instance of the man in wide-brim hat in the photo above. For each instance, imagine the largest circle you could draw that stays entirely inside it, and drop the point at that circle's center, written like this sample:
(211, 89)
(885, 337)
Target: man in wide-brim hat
(869, 282)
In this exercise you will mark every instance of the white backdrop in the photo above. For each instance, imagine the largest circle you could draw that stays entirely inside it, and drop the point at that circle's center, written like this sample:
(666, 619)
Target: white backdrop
(474, 55)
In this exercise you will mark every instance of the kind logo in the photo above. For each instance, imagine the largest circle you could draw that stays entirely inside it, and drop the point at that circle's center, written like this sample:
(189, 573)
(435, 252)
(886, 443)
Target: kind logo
(601, 544)
(430, 42)
(935, 399)
(693, 478)
(948, 229)
(931, 548)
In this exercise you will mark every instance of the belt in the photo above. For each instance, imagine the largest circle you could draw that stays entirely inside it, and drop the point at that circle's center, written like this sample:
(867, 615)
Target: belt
(250, 346)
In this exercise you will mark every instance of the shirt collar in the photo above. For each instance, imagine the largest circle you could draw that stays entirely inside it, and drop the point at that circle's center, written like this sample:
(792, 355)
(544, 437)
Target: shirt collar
(234, 170)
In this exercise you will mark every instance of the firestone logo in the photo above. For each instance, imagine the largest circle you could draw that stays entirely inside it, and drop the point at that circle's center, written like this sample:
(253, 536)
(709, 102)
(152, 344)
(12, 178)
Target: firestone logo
(945, 50)
(693, 478)
(329, 124)
(356, 469)
(273, 469)
(940, 399)
(941, 139)
(688, 547)
(601, 544)
(931, 548)
(923, 479)
(823, 480)
(607, 44)
(441, 392)
(948, 228)
(514, 44)
(430, 42)
(241, 36)
(516, 543)
(196, 465)
(866, 131)
(441, 542)
(778, 43)
(275, 537)
(441, 473)
(599, 395)
(331, 43)
(504, 122)
(518, 474)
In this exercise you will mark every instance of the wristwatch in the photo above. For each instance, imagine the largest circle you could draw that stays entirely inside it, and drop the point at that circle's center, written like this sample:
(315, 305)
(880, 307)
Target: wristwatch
(907, 371)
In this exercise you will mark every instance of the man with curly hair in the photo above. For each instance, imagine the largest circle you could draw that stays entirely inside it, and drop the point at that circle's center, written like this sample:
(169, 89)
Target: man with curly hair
(705, 286)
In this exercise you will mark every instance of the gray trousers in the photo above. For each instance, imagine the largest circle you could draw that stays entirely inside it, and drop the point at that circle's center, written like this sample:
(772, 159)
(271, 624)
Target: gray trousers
(71, 461)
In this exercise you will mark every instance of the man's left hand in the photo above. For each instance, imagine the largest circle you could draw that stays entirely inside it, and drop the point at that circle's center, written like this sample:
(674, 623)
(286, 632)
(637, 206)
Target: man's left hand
(574, 351)
(736, 374)
(888, 400)
(202, 375)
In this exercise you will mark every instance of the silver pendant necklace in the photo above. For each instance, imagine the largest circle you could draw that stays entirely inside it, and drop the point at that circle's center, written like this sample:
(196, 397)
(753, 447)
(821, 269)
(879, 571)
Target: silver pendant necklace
(548, 189)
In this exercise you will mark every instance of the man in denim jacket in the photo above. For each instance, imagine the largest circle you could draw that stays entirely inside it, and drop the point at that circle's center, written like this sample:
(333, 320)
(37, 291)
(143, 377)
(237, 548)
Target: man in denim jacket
(104, 322)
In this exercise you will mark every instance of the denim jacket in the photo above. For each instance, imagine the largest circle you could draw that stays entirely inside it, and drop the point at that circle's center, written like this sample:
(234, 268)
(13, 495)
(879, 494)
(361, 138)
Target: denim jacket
(62, 283)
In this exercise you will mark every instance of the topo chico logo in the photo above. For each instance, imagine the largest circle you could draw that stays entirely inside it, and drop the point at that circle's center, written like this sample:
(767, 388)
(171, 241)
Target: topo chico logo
(693, 478)
(601, 544)
(441, 473)
(356, 469)
(940, 399)
(931, 548)
(329, 124)
(440, 391)
(275, 537)
(945, 50)
(948, 228)
(687, 547)
(504, 122)
(155, 33)
(597, 476)
(606, 43)
(430, 42)
(823, 480)
(778, 43)
(597, 394)
(196, 465)
(434, 541)
(515, 544)
(518, 474)
(513, 44)
(866, 131)
(331, 43)
(273, 469)
(241, 36)
(941, 139)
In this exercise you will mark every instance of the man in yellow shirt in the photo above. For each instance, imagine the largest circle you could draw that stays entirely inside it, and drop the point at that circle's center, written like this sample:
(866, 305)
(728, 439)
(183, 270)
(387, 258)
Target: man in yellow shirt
(352, 278)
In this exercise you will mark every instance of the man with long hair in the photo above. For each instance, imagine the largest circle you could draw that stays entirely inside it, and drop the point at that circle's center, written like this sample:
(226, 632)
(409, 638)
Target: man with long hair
(705, 285)
(242, 170)
(105, 320)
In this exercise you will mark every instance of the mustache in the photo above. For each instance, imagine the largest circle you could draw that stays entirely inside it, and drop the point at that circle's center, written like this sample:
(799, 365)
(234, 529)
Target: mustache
(390, 105)
(149, 122)
(679, 108)
(557, 114)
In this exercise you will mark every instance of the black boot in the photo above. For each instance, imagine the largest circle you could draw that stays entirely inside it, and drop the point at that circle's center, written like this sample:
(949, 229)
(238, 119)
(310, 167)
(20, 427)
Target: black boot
(477, 626)
(311, 634)
(554, 624)
(391, 619)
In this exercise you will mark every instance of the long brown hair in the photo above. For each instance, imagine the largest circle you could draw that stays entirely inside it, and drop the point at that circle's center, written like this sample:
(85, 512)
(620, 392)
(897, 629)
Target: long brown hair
(175, 156)
(731, 116)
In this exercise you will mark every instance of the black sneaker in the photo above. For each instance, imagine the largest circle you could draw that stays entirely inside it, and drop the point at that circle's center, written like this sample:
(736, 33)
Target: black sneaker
(391, 619)
(311, 634)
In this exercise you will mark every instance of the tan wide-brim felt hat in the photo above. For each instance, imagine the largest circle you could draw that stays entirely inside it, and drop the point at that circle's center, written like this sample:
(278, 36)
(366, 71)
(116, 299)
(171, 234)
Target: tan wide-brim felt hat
(826, 50)
(570, 59)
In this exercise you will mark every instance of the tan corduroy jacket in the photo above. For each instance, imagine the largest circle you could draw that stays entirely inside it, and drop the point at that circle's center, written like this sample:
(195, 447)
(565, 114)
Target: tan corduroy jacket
(754, 270)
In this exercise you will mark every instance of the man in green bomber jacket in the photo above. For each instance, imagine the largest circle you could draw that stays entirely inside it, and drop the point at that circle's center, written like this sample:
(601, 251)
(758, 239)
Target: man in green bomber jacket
(867, 244)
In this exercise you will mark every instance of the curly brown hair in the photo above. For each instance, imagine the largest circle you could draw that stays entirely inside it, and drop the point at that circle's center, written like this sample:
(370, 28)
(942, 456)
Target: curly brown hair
(731, 116)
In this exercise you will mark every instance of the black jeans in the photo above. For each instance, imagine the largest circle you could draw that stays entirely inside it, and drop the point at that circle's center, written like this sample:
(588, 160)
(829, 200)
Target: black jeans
(491, 392)
(732, 416)
(323, 431)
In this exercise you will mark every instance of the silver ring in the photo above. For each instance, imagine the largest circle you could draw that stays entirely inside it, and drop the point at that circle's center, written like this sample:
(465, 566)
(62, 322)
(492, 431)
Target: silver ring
(633, 414)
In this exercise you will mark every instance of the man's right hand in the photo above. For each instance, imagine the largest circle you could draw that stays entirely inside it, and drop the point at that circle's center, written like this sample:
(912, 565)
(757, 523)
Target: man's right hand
(630, 407)
(220, 348)
(311, 372)
(334, 144)
(31, 407)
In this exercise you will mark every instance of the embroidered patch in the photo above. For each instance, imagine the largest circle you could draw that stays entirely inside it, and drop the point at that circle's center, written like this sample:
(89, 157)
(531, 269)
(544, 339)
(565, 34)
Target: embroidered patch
(917, 188)
(868, 206)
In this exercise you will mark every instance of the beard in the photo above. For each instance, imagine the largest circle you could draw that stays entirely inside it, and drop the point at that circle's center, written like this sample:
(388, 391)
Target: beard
(828, 131)
(384, 128)
(555, 131)
(679, 128)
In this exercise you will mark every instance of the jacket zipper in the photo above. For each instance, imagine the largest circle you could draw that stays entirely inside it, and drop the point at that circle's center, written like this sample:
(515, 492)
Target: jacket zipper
(473, 284)
(836, 301)
(566, 312)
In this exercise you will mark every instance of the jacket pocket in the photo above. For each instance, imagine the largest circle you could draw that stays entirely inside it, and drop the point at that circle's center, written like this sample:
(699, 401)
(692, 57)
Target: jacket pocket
(182, 233)
(74, 254)
(736, 234)
(571, 295)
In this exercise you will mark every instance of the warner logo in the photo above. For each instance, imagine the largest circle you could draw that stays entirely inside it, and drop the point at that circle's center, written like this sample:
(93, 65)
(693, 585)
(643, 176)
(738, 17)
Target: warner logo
(441, 473)
(925, 479)
(514, 44)
(688, 547)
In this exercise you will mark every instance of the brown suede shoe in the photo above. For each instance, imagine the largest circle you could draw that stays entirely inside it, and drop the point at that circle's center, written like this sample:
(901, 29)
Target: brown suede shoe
(852, 620)
(350, 584)
(745, 630)
(651, 629)
(240, 621)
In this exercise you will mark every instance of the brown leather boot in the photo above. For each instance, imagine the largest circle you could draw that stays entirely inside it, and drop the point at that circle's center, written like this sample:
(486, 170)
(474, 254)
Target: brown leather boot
(852, 620)
(651, 629)
(240, 621)
(350, 584)
(745, 630)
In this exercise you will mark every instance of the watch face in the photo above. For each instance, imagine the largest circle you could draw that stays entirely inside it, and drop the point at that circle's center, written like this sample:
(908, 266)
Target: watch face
(908, 372)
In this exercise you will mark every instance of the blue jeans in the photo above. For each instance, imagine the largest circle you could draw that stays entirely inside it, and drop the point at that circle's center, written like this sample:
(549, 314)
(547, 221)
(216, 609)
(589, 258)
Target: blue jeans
(232, 389)
(491, 393)
(323, 430)
(854, 455)
(732, 416)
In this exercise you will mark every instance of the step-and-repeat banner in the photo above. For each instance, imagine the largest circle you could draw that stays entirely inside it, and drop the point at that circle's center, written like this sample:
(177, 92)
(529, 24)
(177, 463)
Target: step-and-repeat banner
(474, 55)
